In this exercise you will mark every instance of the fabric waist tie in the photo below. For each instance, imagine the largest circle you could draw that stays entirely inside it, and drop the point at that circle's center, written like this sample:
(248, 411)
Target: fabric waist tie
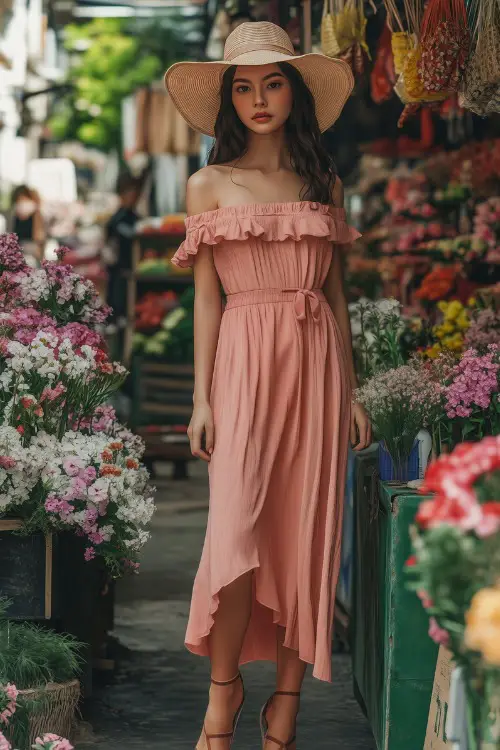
(301, 298)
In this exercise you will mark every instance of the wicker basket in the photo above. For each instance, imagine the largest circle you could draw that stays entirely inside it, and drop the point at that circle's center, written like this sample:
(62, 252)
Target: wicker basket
(57, 710)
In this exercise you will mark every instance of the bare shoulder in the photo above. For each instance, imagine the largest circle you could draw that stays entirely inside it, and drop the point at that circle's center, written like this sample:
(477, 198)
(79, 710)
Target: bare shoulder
(338, 193)
(202, 191)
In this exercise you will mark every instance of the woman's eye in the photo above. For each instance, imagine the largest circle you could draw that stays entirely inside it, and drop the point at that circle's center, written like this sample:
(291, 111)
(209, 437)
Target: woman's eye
(275, 85)
(242, 89)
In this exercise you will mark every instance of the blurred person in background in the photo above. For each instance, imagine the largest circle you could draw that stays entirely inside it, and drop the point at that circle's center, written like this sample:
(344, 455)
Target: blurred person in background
(117, 253)
(26, 221)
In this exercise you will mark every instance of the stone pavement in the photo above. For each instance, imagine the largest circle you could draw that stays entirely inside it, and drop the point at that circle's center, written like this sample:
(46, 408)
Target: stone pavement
(158, 697)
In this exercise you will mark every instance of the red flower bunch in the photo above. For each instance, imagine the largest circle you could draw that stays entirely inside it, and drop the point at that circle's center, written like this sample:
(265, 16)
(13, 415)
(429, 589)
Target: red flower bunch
(438, 284)
(451, 478)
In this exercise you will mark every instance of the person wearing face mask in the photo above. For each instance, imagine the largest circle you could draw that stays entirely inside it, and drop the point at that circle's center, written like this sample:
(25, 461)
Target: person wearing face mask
(27, 222)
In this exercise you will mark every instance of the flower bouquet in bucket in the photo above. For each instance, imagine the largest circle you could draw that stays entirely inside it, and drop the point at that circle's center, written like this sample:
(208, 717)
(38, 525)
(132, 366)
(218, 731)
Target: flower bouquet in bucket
(66, 463)
(455, 570)
(400, 403)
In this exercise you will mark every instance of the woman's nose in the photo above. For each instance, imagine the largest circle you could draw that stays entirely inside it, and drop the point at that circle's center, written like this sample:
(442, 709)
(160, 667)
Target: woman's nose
(260, 100)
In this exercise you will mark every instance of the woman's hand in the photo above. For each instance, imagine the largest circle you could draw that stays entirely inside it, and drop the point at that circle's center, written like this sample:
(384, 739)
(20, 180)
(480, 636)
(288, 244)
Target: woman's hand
(202, 422)
(361, 429)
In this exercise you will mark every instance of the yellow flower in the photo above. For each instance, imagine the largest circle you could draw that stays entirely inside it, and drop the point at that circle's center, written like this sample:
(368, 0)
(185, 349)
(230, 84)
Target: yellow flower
(471, 302)
(483, 625)
(446, 328)
(433, 351)
(442, 305)
(454, 310)
(463, 321)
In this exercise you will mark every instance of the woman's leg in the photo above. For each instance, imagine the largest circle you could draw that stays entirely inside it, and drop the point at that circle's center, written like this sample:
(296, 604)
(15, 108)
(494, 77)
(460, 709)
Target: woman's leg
(226, 641)
(282, 713)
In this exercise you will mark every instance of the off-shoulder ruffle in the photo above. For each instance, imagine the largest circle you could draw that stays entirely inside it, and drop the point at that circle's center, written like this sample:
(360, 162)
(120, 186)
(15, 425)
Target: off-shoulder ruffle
(272, 222)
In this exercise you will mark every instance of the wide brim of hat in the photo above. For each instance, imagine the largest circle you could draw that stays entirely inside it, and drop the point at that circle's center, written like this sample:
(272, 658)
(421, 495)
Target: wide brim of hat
(195, 86)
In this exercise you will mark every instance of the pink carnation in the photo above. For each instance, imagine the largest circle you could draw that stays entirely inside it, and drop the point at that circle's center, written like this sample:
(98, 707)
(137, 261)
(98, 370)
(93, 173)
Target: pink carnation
(4, 743)
(73, 466)
(89, 554)
(7, 462)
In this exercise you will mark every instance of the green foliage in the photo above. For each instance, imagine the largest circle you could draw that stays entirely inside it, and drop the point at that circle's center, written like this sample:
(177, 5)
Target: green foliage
(107, 64)
(31, 656)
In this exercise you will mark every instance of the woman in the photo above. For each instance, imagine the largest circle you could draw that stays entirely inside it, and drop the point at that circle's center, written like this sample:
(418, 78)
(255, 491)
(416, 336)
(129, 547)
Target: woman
(274, 373)
(27, 222)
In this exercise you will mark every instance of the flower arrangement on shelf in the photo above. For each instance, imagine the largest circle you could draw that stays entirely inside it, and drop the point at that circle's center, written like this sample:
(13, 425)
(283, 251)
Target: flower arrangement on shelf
(175, 337)
(455, 569)
(470, 398)
(65, 461)
(438, 284)
(400, 403)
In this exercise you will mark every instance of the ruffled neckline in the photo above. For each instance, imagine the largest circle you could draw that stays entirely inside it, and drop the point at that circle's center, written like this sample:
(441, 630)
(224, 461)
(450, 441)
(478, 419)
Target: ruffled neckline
(265, 209)
(271, 222)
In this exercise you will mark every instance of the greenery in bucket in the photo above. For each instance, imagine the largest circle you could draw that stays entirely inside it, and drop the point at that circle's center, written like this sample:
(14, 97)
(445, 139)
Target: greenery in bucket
(30, 658)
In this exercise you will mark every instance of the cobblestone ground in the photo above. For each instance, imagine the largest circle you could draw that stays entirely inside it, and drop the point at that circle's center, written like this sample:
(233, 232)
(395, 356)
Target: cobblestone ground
(158, 696)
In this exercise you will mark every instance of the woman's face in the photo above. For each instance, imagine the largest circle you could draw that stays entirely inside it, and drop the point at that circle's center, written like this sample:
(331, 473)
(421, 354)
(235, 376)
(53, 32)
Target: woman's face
(262, 97)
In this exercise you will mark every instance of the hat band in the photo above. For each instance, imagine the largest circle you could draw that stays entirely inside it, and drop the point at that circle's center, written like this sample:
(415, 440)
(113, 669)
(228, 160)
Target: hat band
(242, 49)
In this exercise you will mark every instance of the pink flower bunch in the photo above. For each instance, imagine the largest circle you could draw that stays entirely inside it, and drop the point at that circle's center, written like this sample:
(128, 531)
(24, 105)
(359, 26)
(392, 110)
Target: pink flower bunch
(474, 380)
(54, 289)
(8, 698)
(451, 479)
(484, 329)
(98, 488)
(4, 742)
(487, 221)
(410, 240)
(438, 634)
(11, 256)
(52, 742)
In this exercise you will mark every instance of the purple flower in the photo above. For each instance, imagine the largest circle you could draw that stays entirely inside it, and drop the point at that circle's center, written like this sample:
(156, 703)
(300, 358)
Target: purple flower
(473, 382)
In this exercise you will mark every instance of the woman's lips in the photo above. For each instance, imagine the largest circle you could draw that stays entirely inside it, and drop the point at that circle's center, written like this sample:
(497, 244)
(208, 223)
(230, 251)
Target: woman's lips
(262, 117)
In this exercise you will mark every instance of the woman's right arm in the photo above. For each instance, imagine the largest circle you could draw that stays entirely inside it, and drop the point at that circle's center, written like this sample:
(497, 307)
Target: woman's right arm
(201, 196)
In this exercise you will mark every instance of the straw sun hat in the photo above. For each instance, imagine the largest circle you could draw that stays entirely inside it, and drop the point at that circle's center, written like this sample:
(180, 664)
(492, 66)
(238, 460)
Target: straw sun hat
(195, 86)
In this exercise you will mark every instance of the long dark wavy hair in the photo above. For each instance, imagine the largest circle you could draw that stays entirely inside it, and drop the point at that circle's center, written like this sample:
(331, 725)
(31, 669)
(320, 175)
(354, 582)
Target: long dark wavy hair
(309, 158)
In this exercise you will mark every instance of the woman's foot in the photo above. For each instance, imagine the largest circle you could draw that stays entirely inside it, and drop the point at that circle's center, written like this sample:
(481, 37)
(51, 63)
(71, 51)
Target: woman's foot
(281, 716)
(225, 703)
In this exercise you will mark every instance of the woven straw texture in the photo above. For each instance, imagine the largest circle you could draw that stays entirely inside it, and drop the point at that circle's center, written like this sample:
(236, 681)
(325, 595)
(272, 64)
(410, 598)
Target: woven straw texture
(195, 87)
(57, 710)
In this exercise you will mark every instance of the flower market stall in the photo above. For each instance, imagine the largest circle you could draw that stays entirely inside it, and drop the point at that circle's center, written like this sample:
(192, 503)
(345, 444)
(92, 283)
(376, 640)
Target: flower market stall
(73, 491)
(159, 342)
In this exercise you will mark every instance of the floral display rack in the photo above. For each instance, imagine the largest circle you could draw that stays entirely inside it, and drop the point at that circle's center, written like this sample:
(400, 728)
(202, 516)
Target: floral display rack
(161, 389)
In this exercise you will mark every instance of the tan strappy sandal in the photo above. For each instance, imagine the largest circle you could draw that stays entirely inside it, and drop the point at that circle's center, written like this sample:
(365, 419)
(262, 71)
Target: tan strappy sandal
(227, 735)
(264, 726)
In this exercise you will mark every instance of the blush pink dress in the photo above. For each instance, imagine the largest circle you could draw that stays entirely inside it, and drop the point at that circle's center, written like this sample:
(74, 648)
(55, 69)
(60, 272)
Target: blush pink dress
(281, 406)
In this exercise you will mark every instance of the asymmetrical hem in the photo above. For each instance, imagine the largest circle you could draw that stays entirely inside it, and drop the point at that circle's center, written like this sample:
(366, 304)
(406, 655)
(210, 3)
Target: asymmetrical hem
(281, 404)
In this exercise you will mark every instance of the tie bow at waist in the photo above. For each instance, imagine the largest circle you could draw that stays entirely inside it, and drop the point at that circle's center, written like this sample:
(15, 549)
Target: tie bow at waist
(304, 300)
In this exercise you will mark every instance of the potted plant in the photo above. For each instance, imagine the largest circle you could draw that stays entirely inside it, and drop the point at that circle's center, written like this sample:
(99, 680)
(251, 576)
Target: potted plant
(455, 570)
(39, 689)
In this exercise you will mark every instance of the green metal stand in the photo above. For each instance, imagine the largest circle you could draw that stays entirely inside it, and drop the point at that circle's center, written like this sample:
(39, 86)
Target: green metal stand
(393, 657)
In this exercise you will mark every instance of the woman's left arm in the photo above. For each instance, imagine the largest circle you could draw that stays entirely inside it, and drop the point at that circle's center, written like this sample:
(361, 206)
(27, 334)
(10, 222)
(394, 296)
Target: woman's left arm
(333, 288)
